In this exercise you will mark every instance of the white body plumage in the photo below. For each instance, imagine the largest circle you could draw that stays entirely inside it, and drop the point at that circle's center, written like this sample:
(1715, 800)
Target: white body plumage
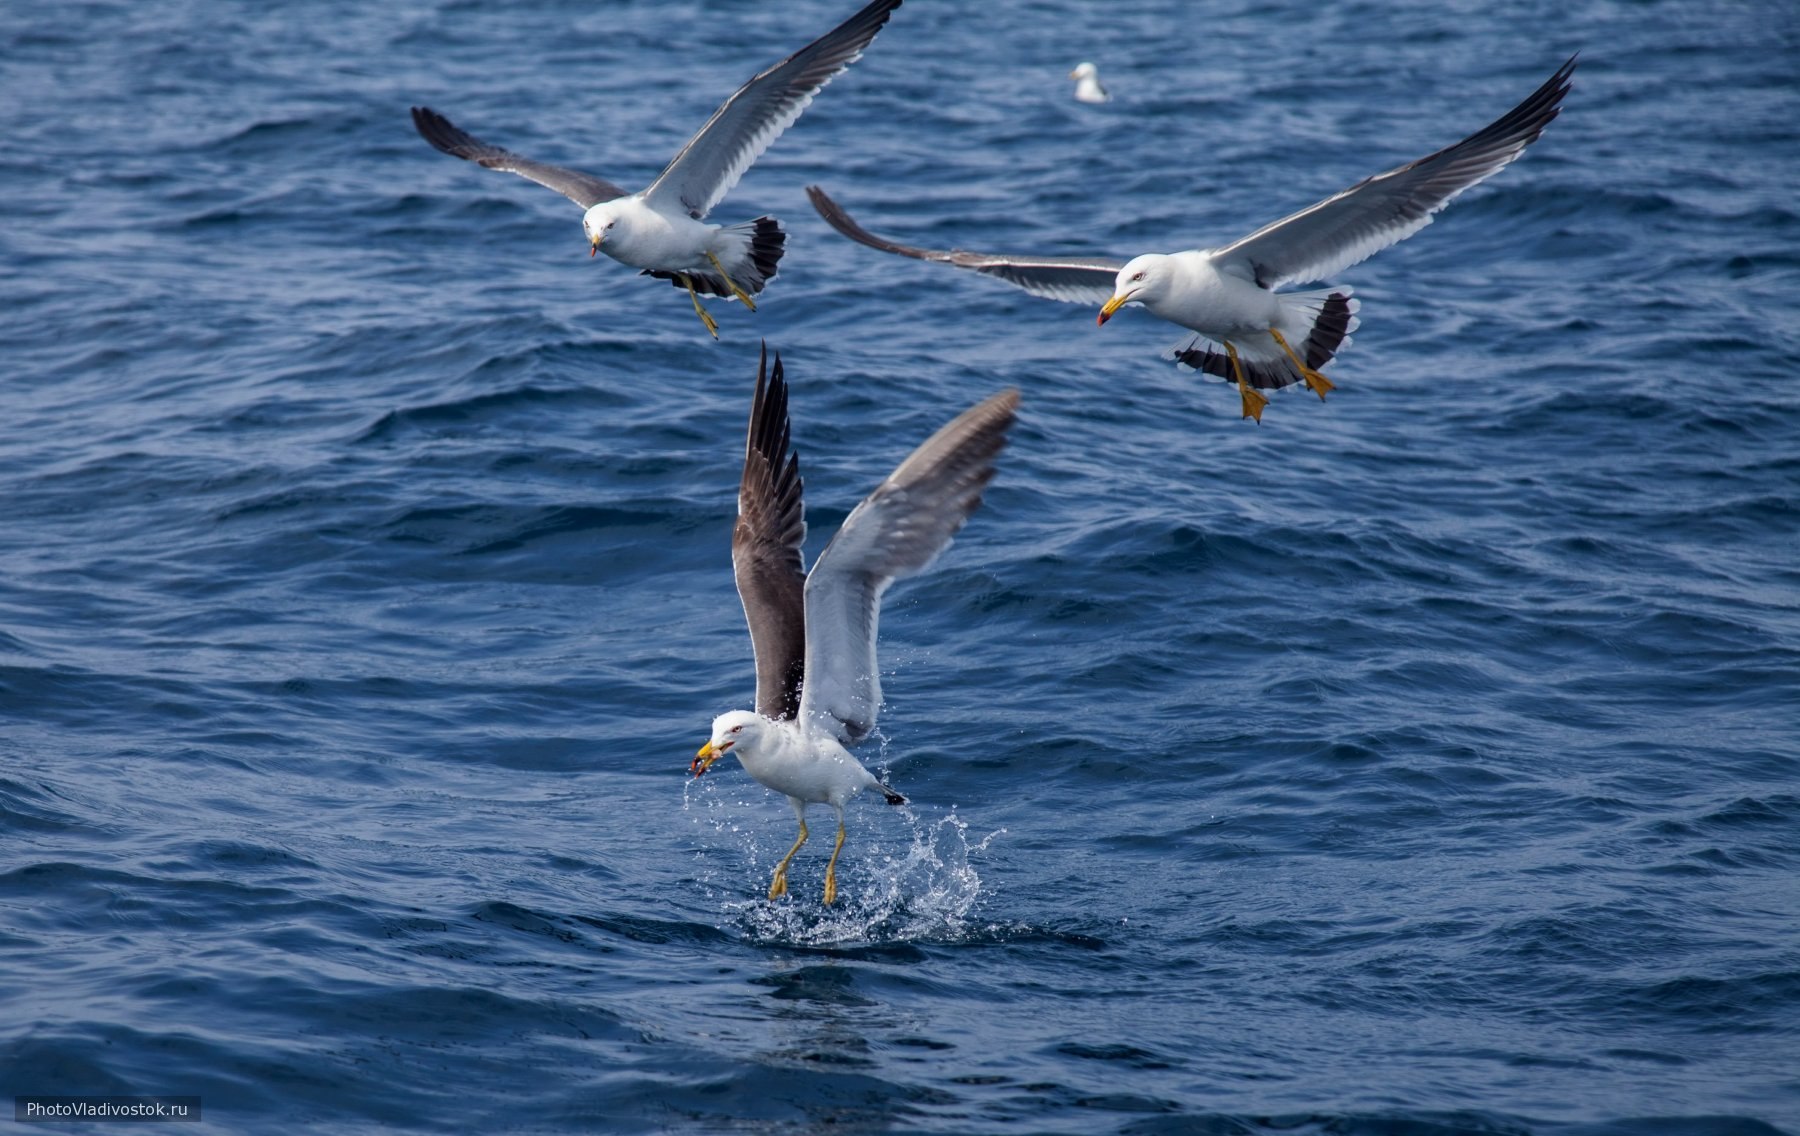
(632, 232)
(1187, 288)
(1087, 84)
(808, 766)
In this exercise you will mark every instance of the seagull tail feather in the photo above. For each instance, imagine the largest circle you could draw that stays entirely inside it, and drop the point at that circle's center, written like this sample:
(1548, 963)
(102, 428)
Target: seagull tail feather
(767, 242)
(1317, 323)
(1321, 320)
(752, 251)
(749, 252)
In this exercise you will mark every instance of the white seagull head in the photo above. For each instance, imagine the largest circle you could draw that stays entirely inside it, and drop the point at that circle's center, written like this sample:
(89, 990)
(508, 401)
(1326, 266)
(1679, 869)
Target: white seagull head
(1143, 280)
(597, 222)
(740, 729)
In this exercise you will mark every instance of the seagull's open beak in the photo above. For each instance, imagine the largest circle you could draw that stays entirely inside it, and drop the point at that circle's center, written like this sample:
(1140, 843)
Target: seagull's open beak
(594, 245)
(708, 754)
(1107, 309)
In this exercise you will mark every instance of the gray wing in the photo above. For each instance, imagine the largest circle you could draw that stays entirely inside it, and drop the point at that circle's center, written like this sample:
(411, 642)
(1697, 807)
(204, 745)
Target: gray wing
(765, 548)
(740, 130)
(898, 530)
(1075, 280)
(1340, 231)
(585, 190)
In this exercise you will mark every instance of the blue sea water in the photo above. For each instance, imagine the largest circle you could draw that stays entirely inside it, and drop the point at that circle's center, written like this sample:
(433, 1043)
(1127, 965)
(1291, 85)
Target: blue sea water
(1426, 760)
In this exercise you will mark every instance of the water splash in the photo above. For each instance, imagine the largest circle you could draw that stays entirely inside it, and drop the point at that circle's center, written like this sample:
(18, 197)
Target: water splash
(925, 890)
(925, 893)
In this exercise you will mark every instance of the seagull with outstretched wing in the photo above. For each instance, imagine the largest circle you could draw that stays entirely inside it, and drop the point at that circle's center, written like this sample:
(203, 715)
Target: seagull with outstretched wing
(1227, 295)
(817, 686)
(662, 229)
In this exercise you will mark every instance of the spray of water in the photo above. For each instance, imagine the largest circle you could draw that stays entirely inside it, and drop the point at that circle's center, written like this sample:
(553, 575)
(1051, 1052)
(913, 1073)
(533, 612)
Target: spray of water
(921, 887)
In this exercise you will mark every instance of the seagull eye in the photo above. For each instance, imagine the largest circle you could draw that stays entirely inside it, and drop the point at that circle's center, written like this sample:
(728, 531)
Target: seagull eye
(737, 729)
(1136, 278)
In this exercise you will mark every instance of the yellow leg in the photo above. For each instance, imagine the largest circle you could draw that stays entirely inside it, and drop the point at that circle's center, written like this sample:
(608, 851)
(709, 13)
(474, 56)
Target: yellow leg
(1254, 400)
(732, 284)
(778, 886)
(831, 868)
(705, 316)
(1319, 383)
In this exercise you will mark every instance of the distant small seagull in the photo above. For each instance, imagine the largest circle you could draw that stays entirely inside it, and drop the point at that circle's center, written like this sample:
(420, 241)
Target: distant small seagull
(817, 684)
(660, 229)
(1087, 84)
(1271, 339)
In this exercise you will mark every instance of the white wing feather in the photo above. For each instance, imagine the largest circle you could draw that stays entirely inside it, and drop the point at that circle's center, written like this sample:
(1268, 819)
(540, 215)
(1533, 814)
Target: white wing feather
(740, 130)
(1320, 241)
(896, 531)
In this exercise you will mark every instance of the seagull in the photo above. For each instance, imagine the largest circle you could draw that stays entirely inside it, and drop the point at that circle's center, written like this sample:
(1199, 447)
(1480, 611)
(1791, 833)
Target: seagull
(1227, 295)
(817, 686)
(660, 229)
(1087, 84)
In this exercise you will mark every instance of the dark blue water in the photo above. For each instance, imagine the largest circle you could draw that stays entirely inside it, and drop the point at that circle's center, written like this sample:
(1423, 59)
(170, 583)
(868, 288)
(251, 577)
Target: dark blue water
(1427, 760)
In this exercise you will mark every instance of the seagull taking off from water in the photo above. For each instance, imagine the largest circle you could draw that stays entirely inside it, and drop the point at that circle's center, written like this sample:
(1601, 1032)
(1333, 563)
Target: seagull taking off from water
(661, 229)
(817, 685)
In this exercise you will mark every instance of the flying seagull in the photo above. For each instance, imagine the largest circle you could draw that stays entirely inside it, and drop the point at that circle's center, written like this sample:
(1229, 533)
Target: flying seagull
(817, 686)
(1087, 84)
(660, 229)
(1227, 295)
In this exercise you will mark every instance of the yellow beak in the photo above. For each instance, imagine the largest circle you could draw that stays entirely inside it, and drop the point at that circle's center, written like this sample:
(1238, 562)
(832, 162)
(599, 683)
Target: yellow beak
(704, 759)
(1107, 309)
(594, 245)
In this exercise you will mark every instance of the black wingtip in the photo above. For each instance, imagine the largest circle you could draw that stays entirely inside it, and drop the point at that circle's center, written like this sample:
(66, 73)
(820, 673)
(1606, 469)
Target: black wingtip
(893, 798)
(1543, 105)
(870, 18)
(444, 135)
(1564, 74)
(832, 212)
(834, 215)
(769, 433)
